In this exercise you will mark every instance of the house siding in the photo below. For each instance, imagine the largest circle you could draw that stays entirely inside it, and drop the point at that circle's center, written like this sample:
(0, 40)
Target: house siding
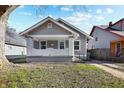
(123, 25)
(104, 39)
(14, 50)
(44, 30)
(83, 41)
(83, 47)
(117, 26)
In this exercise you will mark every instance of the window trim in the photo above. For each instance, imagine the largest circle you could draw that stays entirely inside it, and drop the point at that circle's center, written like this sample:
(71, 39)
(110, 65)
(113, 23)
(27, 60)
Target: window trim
(59, 44)
(79, 45)
(49, 25)
(40, 44)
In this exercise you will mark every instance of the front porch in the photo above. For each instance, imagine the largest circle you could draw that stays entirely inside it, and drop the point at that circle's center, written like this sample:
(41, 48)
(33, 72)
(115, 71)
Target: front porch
(51, 46)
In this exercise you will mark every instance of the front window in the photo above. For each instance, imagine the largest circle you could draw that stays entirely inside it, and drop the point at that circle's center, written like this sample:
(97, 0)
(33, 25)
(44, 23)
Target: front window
(36, 44)
(77, 45)
(96, 39)
(61, 45)
(43, 44)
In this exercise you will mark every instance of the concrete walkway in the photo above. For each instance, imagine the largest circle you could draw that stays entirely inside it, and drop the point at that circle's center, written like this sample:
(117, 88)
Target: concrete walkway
(110, 70)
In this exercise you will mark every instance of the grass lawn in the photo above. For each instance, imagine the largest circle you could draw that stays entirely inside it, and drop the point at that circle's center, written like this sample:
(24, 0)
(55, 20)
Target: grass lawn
(58, 75)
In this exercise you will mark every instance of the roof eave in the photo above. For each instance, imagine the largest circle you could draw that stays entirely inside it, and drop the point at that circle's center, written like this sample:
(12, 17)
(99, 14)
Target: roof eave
(82, 32)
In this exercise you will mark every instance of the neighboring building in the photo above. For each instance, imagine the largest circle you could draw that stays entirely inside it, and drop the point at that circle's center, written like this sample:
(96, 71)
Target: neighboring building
(117, 48)
(108, 37)
(15, 45)
(55, 40)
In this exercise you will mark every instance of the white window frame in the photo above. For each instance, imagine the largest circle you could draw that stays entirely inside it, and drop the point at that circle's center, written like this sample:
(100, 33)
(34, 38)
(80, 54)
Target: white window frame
(41, 45)
(59, 44)
(49, 25)
(79, 45)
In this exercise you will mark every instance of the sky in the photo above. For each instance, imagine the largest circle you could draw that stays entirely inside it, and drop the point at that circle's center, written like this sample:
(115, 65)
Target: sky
(82, 16)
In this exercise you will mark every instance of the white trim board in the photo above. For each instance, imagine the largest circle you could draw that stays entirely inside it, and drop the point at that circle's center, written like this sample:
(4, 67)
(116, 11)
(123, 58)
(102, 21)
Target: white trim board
(48, 36)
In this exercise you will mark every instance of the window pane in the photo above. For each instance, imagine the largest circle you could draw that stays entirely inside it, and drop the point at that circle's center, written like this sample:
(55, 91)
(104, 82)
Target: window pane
(61, 45)
(36, 44)
(76, 47)
(76, 42)
(52, 44)
(43, 47)
(96, 39)
(43, 42)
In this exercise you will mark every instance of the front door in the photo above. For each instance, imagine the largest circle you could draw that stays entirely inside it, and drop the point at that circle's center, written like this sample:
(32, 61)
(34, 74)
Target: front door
(118, 49)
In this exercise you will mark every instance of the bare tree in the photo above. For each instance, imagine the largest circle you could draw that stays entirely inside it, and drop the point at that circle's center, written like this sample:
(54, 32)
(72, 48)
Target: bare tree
(5, 10)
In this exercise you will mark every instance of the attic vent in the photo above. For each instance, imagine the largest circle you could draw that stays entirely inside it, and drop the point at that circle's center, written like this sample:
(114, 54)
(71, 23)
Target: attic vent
(49, 25)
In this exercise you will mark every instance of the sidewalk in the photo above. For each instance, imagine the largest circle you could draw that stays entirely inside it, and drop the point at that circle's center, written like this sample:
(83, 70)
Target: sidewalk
(108, 68)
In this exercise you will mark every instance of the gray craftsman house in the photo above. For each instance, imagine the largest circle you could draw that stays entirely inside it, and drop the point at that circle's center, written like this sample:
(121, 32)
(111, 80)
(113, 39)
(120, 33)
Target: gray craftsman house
(55, 40)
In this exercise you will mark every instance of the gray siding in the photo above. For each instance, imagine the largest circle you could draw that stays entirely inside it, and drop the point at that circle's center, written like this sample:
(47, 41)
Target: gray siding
(83, 47)
(44, 30)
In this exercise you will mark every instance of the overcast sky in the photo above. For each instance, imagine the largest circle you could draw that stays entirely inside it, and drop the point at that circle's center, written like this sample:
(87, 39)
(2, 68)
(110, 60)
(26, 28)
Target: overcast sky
(83, 17)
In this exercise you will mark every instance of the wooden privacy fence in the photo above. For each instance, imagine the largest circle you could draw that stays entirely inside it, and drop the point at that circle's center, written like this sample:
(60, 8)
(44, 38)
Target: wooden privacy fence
(101, 54)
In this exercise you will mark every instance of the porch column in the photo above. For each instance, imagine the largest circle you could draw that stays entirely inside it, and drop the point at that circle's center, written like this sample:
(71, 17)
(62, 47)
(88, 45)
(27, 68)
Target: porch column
(71, 48)
(29, 46)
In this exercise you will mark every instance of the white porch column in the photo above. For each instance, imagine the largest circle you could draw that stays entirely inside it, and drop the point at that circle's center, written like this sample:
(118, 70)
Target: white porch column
(71, 48)
(29, 46)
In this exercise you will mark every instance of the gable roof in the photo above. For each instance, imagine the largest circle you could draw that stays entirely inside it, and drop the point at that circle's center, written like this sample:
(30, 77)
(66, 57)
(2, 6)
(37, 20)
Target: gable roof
(43, 21)
(75, 28)
(120, 21)
(107, 30)
(12, 38)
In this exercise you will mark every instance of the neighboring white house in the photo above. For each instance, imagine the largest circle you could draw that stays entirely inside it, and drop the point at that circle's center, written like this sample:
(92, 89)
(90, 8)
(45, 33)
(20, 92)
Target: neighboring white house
(55, 40)
(15, 45)
(104, 34)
